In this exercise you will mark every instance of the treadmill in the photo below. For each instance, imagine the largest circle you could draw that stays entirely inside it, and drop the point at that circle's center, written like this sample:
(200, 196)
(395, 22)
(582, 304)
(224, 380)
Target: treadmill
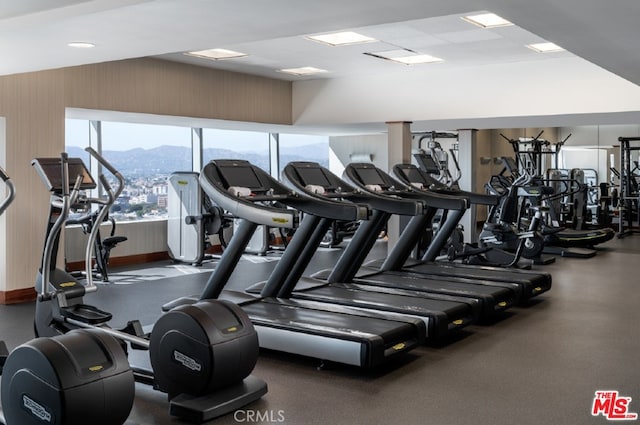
(328, 333)
(441, 314)
(385, 201)
(531, 283)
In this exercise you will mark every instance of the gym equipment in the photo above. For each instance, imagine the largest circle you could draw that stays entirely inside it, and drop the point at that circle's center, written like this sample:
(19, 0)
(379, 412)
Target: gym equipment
(528, 284)
(334, 333)
(8, 199)
(442, 313)
(502, 229)
(201, 355)
(192, 219)
(368, 177)
(12, 191)
(77, 378)
(435, 160)
(103, 246)
(530, 160)
(384, 193)
(629, 194)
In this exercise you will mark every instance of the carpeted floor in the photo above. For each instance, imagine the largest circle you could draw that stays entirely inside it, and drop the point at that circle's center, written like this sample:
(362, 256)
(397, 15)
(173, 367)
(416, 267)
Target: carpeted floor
(539, 364)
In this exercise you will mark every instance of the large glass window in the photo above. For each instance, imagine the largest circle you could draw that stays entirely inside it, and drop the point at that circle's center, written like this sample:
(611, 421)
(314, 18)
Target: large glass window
(300, 147)
(145, 155)
(252, 146)
(77, 137)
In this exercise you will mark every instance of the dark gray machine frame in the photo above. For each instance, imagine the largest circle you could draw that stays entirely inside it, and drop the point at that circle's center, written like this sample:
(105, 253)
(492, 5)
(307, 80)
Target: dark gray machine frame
(334, 333)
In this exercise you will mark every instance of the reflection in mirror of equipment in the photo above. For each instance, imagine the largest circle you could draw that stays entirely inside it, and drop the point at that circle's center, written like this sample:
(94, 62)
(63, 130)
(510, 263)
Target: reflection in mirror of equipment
(629, 176)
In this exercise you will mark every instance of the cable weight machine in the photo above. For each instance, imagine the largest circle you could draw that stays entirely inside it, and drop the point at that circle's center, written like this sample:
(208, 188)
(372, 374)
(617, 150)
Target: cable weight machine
(629, 194)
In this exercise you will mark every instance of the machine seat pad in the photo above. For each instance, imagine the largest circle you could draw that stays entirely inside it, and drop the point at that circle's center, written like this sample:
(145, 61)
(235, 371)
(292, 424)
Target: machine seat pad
(112, 241)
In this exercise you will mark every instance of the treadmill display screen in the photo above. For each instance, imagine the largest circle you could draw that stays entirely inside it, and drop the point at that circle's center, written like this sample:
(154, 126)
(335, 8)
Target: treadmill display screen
(371, 176)
(241, 177)
(313, 176)
(414, 175)
(427, 163)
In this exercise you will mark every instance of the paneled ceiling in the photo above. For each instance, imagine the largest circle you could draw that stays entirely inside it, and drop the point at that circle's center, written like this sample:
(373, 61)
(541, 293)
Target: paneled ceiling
(34, 34)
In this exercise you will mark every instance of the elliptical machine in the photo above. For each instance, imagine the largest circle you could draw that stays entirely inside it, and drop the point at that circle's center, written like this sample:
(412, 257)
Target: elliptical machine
(201, 355)
(4, 353)
(502, 228)
(78, 378)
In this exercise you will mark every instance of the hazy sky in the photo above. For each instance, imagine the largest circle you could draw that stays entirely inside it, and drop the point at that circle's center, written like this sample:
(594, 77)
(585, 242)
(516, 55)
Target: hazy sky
(125, 136)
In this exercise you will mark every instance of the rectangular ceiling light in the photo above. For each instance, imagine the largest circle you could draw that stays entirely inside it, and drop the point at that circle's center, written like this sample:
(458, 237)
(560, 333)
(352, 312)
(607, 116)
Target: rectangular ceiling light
(217, 54)
(487, 20)
(545, 47)
(305, 70)
(405, 56)
(341, 38)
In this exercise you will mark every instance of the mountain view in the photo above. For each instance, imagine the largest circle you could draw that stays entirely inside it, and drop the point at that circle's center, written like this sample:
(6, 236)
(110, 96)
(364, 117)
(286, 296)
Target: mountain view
(146, 193)
(164, 160)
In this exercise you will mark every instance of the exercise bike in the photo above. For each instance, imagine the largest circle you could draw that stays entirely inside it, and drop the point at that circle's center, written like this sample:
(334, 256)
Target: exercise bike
(201, 355)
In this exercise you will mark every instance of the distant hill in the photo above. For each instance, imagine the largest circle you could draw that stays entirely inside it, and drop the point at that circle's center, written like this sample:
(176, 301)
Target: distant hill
(164, 160)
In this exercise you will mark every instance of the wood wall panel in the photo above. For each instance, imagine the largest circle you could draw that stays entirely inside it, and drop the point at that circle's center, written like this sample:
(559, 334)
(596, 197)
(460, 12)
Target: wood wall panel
(33, 105)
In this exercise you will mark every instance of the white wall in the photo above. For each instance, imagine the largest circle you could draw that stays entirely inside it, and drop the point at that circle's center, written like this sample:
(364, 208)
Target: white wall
(341, 147)
(492, 96)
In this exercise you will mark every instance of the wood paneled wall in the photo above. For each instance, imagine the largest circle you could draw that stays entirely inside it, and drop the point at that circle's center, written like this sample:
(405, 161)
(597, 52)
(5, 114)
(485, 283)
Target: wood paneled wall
(34, 104)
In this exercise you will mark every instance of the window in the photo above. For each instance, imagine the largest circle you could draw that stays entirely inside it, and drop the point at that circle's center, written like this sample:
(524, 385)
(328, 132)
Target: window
(252, 146)
(77, 137)
(298, 147)
(145, 155)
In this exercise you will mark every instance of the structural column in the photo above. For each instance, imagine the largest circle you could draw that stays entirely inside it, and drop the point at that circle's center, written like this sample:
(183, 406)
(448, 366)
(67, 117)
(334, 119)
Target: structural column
(468, 159)
(398, 151)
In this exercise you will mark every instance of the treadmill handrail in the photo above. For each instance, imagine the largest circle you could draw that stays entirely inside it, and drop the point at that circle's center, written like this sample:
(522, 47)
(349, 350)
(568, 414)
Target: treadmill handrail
(349, 193)
(245, 207)
(430, 185)
(431, 199)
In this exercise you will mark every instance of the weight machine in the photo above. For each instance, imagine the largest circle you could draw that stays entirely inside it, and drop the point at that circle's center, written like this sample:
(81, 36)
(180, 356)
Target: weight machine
(629, 194)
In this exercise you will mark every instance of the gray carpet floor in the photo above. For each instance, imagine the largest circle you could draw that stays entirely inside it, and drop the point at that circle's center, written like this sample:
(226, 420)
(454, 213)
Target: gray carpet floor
(540, 364)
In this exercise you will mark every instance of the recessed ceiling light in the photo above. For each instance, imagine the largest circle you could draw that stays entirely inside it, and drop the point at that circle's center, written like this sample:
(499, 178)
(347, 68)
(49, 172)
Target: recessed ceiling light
(405, 56)
(217, 54)
(487, 20)
(545, 47)
(81, 44)
(305, 70)
(341, 38)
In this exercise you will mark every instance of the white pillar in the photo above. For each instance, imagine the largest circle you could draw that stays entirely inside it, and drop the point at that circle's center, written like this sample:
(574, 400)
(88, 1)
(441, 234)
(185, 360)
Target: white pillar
(398, 151)
(468, 159)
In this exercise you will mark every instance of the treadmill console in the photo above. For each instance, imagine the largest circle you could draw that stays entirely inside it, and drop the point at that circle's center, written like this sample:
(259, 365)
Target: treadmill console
(50, 171)
(427, 163)
(369, 175)
(312, 175)
(240, 174)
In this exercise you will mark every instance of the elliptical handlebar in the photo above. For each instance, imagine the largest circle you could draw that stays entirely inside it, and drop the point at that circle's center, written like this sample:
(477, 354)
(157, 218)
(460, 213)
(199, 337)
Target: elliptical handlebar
(12, 191)
(55, 228)
(106, 164)
(105, 205)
